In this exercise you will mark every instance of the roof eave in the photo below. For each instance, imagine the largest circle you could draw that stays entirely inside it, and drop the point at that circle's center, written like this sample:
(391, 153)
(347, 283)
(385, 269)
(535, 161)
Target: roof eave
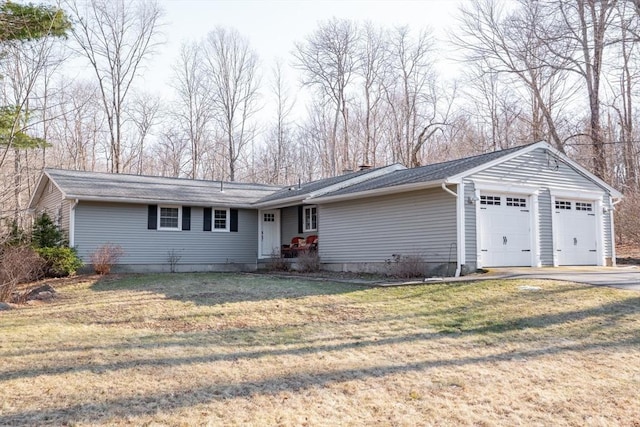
(40, 189)
(281, 203)
(379, 191)
(540, 144)
(157, 201)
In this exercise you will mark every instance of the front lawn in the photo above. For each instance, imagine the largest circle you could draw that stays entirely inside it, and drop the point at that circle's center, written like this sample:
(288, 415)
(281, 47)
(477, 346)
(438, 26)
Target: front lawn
(233, 349)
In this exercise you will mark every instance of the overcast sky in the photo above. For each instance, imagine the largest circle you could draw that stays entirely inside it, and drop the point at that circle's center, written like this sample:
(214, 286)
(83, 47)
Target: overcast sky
(273, 26)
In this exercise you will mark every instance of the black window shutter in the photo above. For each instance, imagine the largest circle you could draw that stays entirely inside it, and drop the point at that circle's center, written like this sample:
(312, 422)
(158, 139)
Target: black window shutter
(207, 219)
(233, 221)
(300, 219)
(186, 218)
(152, 218)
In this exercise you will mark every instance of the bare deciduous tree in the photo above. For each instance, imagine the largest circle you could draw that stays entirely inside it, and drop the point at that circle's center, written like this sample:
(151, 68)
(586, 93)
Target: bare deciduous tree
(328, 59)
(116, 36)
(193, 111)
(232, 68)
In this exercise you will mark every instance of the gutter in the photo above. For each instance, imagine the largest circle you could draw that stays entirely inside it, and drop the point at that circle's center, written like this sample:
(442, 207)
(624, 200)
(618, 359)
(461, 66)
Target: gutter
(460, 222)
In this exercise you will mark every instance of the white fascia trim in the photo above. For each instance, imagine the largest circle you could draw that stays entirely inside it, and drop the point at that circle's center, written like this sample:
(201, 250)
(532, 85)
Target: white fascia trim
(204, 204)
(506, 187)
(40, 187)
(378, 192)
(576, 194)
(280, 203)
(357, 180)
(614, 193)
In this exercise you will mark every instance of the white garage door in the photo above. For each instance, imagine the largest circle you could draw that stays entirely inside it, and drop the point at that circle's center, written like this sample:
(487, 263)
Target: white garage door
(505, 230)
(575, 233)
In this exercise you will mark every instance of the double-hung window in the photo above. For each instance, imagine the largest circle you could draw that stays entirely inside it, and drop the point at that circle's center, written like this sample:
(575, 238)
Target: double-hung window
(310, 218)
(169, 218)
(220, 220)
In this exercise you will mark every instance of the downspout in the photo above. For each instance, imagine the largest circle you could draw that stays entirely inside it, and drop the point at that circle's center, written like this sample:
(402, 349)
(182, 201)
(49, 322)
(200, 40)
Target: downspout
(613, 231)
(458, 231)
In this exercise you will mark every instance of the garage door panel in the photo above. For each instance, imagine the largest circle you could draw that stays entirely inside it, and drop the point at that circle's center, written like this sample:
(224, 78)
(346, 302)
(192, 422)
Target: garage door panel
(505, 232)
(576, 233)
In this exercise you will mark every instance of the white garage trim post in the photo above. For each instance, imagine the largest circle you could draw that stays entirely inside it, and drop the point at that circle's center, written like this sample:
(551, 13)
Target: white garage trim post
(554, 228)
(613, 230)
(535, 231)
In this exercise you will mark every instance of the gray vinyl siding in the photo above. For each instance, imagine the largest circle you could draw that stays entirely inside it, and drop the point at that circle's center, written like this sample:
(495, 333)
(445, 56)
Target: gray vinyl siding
(54, 205)
(373, 229)
(126, 225)
(545, 227)
(538, 168)
(471, 247)
(289, 225)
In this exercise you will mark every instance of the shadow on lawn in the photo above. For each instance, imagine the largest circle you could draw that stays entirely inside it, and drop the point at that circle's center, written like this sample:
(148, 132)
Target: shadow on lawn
(169, 401)
(222, 288)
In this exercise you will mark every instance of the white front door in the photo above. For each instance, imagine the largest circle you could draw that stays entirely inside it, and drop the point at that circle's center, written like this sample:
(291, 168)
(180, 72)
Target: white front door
(575, 232)
(269, 233)
(505, 230)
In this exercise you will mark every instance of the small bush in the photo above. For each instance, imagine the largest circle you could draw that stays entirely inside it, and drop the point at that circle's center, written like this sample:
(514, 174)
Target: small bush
(308, 261)
(173, 258)
(18, 264)
(406, 266)
(59, 262)
(277, 262)
(105, 257)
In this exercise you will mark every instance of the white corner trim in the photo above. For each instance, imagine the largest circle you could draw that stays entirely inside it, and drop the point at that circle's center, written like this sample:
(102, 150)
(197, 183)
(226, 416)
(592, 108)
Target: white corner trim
(72, 223)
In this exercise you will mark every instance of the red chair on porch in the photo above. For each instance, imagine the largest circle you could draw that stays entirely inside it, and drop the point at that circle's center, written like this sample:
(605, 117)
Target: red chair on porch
(290, 250)
(310, 244)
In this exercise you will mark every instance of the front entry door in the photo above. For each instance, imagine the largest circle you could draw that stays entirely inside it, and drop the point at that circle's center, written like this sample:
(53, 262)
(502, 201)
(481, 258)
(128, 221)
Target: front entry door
(269, 233)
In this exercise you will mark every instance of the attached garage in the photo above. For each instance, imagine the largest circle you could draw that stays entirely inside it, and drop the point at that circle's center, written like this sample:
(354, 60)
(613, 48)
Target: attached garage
(528, 206)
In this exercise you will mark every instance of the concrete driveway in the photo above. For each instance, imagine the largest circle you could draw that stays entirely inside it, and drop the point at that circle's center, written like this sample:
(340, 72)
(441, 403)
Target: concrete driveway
(623, 277)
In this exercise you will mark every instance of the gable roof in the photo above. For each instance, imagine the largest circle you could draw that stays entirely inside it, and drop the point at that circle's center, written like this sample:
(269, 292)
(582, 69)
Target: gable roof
(298, 193)
(435, 173)
(448, 172)
(107, 187)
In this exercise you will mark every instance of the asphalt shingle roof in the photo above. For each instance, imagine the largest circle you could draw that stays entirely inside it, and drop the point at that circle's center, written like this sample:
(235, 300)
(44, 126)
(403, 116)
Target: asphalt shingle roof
(115, 187)
(434, 172)
(304, 189)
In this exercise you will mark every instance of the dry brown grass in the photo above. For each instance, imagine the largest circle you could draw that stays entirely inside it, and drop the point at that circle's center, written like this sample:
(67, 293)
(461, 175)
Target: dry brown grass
(205, 349)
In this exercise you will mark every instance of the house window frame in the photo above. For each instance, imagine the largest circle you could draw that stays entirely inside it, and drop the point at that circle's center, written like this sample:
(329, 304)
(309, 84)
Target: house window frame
(227, 220)
(308, 212)
(178, 227)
